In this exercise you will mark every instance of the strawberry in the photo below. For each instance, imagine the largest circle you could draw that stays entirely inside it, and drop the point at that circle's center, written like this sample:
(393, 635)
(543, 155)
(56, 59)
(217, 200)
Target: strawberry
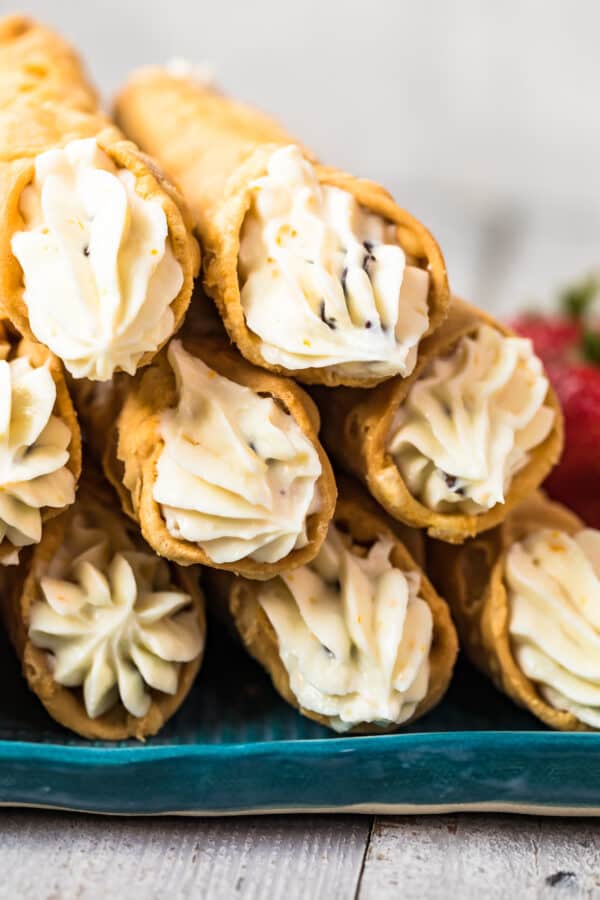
(569, 346)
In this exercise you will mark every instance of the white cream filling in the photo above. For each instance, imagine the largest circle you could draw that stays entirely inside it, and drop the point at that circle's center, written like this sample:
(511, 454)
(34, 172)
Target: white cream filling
(33, 453)
(470, 421)
(100, 274)
(111, 619)
(553, 583)
(323, 281)
(237, 475)
(354, 635)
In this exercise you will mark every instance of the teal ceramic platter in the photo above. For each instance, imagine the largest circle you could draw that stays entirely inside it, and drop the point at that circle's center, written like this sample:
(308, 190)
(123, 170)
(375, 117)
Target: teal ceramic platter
(235, 747)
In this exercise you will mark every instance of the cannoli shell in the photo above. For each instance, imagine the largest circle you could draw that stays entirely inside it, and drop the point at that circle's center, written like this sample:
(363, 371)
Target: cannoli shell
(356, 425)
(357, 514)
(36, 61)
(58, 107)
(135, 446)
(471, 577)
(38, 355)
(21, 589)
(215, 148)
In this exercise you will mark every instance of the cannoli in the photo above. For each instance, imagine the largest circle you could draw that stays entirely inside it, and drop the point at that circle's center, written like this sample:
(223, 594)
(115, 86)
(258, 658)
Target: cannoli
(40, 444)
(357, 639)
(316, 274)
(97, 257)
(457, 445)
(526, 601)
(220, 462)
(110, 637)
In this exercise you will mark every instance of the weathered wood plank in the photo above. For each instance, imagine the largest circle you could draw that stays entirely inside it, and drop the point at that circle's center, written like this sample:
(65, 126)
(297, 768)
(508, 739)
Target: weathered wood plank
(47, 856)
(481, 856)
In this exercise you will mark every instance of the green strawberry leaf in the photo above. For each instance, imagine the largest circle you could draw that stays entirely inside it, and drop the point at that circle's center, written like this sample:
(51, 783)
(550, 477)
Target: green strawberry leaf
(576, 298)
(590, 346)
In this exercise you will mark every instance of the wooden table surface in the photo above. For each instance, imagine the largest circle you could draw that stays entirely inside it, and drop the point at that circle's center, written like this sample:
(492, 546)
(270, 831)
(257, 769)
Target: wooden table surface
(499, 258)
(58, 856)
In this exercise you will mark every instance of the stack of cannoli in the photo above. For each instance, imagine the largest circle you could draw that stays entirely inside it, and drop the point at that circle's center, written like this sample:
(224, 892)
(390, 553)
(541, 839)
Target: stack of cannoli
(338, 526)
(97, 262)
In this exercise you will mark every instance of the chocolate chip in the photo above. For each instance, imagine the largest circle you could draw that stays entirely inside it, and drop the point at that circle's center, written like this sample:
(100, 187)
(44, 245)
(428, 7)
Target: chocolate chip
(368, 258)
(452, 482)
(367, 262)
(86, 250)
(368, 324)
(330, 321)
(252, 446)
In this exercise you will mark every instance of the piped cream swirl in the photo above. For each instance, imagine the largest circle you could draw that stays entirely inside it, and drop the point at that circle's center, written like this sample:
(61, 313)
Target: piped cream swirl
(237, 475)
(111, 619)
(323, 281)
(33, 453)
(553, 584)
(100, 274)
(354, 635)
(470, 421)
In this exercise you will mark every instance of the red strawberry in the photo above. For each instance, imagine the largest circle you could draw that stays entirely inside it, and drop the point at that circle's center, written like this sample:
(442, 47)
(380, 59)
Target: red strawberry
(570, 350)
(576, 479)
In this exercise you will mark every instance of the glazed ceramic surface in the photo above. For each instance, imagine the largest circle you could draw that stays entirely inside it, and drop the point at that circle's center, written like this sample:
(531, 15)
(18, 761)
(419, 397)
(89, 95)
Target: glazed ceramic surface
(235, 747)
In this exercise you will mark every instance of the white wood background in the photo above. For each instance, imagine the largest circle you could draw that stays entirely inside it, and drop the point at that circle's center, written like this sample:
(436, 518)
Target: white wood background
(52, 856)
(484, 120)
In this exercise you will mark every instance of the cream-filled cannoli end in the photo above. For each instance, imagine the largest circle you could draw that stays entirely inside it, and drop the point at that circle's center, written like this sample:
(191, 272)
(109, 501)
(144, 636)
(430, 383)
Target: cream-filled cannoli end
(526, 600)
(40, 450)
(221, 462)
(324, 282)
(356, 639)
(458, 444)
(322, 276)
(110, 636)
(469, 422)
(99, 271)
(552, 581)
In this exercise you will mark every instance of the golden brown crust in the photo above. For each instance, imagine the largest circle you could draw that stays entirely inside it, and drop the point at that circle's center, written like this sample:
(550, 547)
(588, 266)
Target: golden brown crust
(37, 61)
(356, 425)
(59, 106)
(38, 355)
(214, 148)
(357, 514)
(20, 590)
(133, 452)
(472, 577)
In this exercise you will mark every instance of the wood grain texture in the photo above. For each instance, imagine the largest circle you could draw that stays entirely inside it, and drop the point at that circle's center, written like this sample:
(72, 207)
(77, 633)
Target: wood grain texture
(481, 856)
(54, 856)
